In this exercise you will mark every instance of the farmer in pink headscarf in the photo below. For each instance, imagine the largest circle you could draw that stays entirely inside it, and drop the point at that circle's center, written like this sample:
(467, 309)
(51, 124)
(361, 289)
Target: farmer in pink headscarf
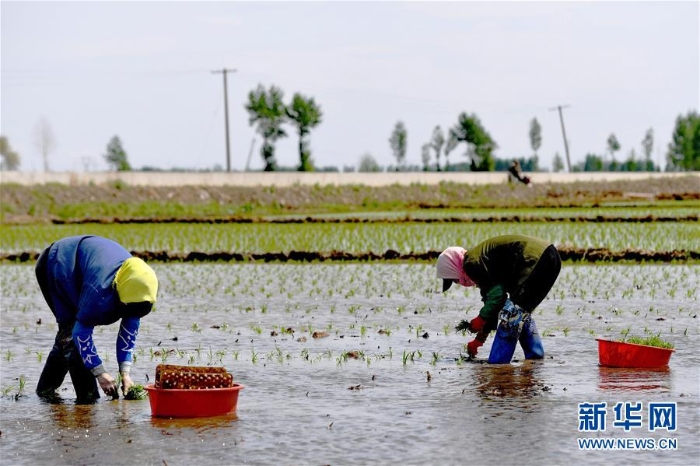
(514, 274)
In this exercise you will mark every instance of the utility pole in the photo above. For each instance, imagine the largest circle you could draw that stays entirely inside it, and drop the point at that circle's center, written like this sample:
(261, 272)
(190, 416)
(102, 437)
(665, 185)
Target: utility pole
(563, 132)
(224, 71)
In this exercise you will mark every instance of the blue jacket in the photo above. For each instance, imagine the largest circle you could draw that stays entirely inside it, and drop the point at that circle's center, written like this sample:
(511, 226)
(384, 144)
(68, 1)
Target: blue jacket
(81, 271)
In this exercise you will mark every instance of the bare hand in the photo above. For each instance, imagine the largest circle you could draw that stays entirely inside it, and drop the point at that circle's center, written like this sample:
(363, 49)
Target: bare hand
(127, 383)
(108, 384)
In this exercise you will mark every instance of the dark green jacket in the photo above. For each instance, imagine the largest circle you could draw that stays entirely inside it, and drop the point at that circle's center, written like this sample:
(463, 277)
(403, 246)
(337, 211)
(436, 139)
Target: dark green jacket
(499, 266)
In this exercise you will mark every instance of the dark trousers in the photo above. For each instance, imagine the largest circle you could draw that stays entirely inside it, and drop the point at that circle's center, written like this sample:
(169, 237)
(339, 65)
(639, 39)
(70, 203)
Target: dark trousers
(64, 357)
(540, 281)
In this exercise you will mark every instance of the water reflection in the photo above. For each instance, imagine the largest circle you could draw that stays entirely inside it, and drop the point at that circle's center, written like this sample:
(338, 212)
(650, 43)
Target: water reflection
(200, 424)
(73, 416)
(625, 379)
(510, 381)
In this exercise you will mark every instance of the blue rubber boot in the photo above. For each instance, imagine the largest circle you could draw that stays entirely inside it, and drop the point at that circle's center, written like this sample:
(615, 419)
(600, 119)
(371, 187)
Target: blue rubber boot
(509, 326)
(530, 339)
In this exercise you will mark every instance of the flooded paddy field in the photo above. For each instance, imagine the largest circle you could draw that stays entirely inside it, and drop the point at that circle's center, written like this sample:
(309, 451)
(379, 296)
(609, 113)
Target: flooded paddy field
(360, 364)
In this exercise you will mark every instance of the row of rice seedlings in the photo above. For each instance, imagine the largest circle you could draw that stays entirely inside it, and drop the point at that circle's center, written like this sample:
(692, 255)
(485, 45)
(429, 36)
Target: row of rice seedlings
(354, 238)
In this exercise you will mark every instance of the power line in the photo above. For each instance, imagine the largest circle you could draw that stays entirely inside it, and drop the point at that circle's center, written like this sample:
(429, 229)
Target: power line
(563, 132)
(224, 71)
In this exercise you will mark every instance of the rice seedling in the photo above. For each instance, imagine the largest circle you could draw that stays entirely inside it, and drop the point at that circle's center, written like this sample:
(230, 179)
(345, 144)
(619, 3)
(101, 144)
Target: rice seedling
(625, 332)
(654, 340)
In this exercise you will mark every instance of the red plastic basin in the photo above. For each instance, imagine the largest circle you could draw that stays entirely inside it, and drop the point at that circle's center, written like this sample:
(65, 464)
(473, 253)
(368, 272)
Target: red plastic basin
(621, 354)
(193, 403)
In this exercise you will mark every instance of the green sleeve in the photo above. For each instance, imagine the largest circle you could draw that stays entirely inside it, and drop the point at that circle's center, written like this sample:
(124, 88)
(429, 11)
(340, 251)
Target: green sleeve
(494, 298)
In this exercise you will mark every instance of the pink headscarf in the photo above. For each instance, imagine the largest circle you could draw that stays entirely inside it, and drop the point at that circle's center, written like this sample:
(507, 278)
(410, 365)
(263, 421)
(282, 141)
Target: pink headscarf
(450, 265)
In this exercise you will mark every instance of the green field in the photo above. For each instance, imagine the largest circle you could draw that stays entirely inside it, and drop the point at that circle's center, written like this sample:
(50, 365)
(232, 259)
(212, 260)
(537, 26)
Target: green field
(356, 237)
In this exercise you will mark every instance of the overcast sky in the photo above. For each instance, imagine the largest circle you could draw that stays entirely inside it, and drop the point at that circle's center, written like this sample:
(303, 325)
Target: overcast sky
(143, 71)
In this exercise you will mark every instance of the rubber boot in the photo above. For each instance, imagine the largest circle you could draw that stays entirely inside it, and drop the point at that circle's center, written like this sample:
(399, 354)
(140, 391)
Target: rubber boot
(530, 339)
(509, 327)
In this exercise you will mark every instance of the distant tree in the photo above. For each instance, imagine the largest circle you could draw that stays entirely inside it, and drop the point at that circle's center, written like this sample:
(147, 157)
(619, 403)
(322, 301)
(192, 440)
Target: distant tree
(305, 114)
(116, 157)
(631, 164)
(613, 146)
(436, 144)
(535, 135)
(425, 156)
(557, 163)
(647, 148)
(450, 145)
(10, 158)
(479, 143)
(398, 143)
(593, 163)
(648, 143)
(266, 109)
(368, 164)
(44, 141)
(684, 149)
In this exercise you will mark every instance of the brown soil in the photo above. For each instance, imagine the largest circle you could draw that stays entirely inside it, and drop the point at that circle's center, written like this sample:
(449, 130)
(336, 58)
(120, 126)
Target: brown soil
(408, 219)
(567, 254)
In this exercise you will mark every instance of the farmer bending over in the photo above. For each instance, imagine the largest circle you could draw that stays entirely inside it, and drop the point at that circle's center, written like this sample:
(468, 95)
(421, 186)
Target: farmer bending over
(89, 281)
(514, 274)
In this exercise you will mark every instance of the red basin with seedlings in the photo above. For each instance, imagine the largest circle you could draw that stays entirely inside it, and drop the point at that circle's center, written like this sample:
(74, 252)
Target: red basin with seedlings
(192, 391)
(631, 355)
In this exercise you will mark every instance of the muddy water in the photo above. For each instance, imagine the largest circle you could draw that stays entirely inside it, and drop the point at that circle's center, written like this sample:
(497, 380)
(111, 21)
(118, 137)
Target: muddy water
(386, 386)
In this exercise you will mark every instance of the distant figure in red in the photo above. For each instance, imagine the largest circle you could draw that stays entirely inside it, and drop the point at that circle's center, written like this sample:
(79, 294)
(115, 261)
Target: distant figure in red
(517, 172)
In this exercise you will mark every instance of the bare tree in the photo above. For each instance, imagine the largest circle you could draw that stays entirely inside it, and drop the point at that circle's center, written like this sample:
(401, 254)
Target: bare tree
(613, 146)
(425, 156)
(436, 143)
(398, 142)
(44, 141)
(648, 143)
(450, 145)
(535, 135)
